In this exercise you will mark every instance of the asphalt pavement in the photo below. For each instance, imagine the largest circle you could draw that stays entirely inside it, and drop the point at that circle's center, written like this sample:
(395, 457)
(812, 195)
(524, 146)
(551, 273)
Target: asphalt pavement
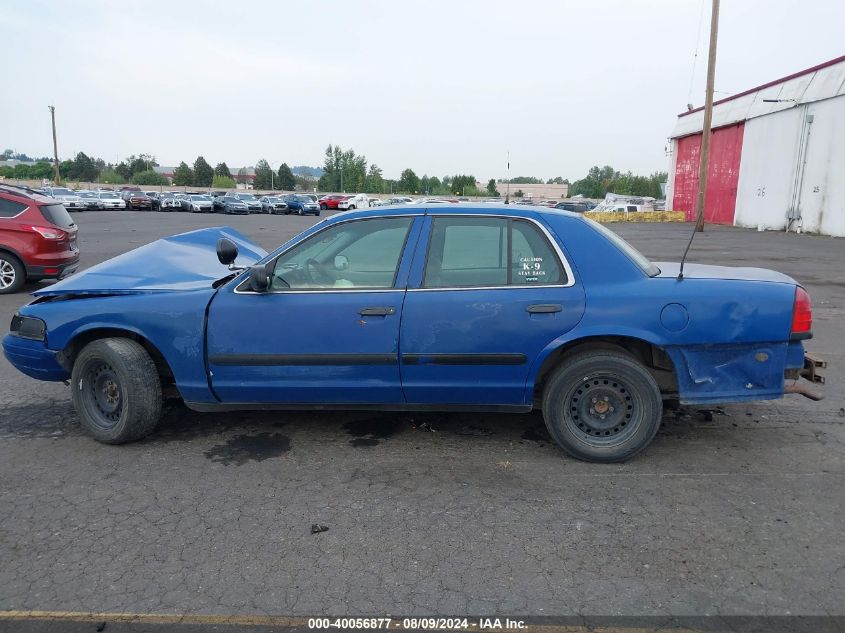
(733, 510)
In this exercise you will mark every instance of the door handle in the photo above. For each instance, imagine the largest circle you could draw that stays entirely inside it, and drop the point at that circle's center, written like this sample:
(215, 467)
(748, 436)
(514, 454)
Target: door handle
(544, 308)
(377, 311)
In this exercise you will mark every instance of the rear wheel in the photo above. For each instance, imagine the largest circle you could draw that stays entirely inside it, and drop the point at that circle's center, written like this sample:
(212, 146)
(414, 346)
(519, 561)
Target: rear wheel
(602, 406)
(116, 390)
(12, 274)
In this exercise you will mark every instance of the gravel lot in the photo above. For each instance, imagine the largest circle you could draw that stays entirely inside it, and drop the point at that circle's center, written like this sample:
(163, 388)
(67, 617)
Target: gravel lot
(732, 510)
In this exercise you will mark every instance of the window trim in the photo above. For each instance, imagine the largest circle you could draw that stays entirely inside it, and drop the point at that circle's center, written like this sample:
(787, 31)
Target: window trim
(392, 288)
(562, 261)
(26, 205)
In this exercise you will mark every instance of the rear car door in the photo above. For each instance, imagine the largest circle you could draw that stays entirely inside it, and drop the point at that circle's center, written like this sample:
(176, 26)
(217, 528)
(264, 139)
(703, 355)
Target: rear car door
(487, 295)
(327, 331)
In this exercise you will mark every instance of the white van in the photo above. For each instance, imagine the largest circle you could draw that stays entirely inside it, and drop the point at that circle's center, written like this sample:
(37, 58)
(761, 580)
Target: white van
(358, 201)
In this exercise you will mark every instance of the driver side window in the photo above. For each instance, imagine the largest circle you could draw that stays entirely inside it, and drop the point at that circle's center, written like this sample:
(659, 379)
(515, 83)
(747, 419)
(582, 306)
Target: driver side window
(357, 254)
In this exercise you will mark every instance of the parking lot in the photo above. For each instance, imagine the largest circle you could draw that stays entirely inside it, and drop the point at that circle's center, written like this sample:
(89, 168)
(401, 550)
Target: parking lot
(734, 510)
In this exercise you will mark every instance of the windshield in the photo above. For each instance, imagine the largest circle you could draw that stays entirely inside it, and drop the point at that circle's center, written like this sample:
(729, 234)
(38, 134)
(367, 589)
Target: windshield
(110, 195)
(633, 254)
(231, 199)
(305, 199)
(200, 198)
(58, 191)
(85, 194)
(247, 197)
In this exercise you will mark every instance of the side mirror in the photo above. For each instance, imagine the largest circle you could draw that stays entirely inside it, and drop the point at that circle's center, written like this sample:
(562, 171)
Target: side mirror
(341, 262)
(259, 278)
(227, 251)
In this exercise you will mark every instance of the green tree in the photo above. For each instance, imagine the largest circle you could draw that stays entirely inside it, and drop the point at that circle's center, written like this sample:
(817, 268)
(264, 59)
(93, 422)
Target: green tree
(203, 173)
(286, 181)
(557, 180)
(83, 168)
(263, 175)
(343, 170)
(462, 185)
(408, 182)
(518, 193)
(110, 177)
(222, 169)
(491, 188)
(149, 177)
(375, 179)
(183, 175)
(222, 182)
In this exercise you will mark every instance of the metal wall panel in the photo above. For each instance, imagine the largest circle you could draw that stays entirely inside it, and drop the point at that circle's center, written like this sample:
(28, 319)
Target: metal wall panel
(791, 165)
(722, 174)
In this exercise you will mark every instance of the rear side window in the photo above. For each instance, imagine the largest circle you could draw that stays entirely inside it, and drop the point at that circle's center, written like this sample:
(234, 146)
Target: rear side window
(57, 215)
(10, 208)
(481, 252)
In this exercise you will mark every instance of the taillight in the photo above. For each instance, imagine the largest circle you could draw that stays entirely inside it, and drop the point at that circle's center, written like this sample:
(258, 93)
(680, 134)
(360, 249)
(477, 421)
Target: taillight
(802, 315)
(49, 233)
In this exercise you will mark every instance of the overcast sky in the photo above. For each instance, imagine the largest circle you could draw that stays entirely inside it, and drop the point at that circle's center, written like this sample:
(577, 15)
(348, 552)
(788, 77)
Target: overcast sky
(439, 86)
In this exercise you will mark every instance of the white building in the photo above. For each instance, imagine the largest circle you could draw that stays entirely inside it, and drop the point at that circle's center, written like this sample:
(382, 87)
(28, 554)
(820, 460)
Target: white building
(777, 155)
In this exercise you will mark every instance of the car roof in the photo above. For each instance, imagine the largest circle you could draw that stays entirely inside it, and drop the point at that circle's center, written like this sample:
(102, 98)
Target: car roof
(26, 193)
(454, 208)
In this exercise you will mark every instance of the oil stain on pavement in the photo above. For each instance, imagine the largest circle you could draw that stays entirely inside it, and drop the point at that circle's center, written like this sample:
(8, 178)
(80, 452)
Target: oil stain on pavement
(370, 431)
(249, 448)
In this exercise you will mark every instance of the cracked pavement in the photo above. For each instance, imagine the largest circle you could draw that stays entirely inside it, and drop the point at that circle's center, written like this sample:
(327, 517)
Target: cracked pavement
(733, 510)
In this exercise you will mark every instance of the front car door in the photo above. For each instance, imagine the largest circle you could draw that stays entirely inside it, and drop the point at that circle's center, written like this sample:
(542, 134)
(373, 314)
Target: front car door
(487, 294)
(327, 331)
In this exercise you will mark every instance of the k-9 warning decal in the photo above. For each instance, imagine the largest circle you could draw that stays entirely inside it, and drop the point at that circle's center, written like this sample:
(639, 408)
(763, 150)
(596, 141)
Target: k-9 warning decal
(531, 268)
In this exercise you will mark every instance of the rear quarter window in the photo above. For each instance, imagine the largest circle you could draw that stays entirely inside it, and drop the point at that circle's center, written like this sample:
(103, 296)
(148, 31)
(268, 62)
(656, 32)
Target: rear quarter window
(57, 215)
(10, 208)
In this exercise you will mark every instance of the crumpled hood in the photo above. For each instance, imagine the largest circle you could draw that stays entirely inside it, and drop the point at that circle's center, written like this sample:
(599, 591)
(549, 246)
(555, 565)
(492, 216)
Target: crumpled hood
(187, 261)
(706, 271)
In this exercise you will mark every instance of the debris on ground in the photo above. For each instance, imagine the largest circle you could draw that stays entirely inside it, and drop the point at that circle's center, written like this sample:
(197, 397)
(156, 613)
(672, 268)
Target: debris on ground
(475, 431)
(316, 528)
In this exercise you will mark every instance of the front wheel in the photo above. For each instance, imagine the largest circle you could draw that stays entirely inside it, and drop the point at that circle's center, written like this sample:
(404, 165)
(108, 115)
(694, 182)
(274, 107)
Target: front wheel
(324, 207)
(602, 406)
(116, 390)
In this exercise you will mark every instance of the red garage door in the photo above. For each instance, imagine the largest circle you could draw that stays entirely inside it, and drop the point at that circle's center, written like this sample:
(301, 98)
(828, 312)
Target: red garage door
(722, 174)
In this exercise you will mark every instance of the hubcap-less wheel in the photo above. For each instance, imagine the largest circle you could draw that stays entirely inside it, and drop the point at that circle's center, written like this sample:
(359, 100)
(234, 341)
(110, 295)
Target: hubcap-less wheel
(600, 409)
(602, 405)
(102, 395)
(7, 274)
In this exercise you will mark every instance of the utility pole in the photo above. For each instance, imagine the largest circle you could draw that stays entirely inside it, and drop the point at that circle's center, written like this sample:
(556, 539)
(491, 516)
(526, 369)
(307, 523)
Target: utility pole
(55, 147)
(708, 119)
(508, 194)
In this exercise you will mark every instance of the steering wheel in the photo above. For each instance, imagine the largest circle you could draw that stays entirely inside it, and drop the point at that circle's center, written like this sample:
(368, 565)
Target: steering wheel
(317, 275)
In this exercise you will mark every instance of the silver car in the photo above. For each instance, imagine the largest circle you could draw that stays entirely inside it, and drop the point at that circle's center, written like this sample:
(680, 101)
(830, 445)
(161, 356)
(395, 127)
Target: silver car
(67, 197)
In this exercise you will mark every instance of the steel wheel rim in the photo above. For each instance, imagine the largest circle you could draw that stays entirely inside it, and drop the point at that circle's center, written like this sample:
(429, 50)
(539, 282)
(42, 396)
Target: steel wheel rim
(7, 274)
(103, 394)
(602, 410)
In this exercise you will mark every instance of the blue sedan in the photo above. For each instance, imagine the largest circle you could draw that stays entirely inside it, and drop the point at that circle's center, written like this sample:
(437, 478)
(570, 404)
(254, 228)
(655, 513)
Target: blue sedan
(452, 308)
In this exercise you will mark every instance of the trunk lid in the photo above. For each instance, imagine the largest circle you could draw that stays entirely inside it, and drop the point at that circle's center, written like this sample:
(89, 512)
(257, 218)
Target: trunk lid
(706, 271)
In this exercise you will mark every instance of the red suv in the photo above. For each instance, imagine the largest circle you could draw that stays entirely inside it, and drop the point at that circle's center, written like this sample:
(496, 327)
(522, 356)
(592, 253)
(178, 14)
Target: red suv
(330, 201)
(37, 239)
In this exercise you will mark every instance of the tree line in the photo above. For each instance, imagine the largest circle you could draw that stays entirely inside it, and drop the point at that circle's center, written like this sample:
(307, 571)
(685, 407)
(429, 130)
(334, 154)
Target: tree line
(600, 181)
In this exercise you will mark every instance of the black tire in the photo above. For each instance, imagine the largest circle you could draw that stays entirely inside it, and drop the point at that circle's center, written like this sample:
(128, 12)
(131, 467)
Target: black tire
(300, 211)
(12, 274)
(324, 207)
(624, 424)
(351, 207)
(116, 390)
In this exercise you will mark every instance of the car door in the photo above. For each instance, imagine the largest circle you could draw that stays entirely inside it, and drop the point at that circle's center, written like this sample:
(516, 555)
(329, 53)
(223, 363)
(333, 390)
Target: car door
(327, 330)
(487, 294)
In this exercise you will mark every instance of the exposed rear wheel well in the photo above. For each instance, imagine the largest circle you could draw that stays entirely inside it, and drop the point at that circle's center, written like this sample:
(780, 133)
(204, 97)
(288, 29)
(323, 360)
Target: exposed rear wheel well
(68, 355)
(653, 357)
